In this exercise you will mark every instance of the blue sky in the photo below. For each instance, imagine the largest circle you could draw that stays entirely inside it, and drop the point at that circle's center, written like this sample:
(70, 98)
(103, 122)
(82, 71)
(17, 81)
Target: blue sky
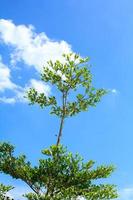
(102, 30)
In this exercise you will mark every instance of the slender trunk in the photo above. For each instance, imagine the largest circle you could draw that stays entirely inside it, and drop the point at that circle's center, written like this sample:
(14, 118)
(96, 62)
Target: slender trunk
(64, 99)
(60, 131)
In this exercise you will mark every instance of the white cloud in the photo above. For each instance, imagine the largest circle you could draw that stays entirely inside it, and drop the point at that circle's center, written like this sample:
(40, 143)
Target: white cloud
(5, 77)
(34, 49)
(31, 48)
(114, 91)
(7, 84)
(19, 93)
(39, 86)
(7, 100)
(126, 194)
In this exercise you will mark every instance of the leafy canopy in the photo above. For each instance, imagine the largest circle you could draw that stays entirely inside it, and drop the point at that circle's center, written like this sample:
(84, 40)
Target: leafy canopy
(73, 80)
(68, 77)
(59, 176)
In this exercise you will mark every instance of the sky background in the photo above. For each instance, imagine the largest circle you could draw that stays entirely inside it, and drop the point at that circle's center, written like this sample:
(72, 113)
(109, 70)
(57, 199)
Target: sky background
(102, 30)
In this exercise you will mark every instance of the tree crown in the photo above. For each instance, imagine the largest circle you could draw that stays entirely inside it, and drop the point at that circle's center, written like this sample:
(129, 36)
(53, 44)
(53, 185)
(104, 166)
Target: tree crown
(71, 77)
(60, 175)
(73, 80)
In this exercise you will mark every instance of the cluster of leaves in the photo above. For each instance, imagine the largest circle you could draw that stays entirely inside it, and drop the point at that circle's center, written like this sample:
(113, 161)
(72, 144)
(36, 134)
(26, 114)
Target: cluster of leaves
(60, 175)
(71, 75)
(3, 190)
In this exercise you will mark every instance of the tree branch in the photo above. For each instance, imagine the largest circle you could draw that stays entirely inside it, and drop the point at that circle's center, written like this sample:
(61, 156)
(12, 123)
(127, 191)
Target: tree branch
(64, 98)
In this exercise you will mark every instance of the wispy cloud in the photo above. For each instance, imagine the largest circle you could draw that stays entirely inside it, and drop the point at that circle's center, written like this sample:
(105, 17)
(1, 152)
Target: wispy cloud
(114, 91)
(6, 83)
(5, 77)
(31, 48)
(34, 49)
(39, 86)
(18, 92)
(7, 100)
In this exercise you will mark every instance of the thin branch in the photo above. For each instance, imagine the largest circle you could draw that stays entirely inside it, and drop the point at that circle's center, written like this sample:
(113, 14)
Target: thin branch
(64, 99)
(32, 187)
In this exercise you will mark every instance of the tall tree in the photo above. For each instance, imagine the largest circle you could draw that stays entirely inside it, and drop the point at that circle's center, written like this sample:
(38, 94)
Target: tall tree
(61, 175)
(73, 80)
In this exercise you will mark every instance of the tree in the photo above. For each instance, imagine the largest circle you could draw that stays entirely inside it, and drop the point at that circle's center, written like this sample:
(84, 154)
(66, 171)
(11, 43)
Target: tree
(61, 175)
(72, 77)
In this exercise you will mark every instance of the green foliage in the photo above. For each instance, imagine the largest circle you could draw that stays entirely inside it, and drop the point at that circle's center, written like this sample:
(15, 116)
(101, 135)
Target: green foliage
(68, 77)
(59, 176)
(73, 80)
(3, 190)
